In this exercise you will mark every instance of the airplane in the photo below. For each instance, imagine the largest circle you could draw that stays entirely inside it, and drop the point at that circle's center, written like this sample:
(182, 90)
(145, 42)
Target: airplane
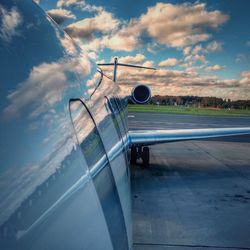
(65, 145)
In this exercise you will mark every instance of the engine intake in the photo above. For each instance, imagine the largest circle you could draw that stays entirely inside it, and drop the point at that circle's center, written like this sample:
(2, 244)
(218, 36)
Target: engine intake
(141, 94)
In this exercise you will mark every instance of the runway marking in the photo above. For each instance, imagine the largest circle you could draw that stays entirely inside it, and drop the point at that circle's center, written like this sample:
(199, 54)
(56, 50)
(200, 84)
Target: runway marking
(131, 116)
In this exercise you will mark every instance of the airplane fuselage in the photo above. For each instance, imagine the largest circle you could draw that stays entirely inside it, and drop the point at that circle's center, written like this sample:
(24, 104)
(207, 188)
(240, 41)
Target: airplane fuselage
(64, 176)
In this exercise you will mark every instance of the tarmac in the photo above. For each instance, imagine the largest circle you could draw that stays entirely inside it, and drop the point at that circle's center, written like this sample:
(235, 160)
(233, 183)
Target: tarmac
(195, 194)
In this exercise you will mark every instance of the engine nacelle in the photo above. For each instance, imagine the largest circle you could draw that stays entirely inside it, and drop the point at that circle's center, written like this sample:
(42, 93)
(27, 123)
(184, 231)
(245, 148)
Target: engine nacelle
(141, 94)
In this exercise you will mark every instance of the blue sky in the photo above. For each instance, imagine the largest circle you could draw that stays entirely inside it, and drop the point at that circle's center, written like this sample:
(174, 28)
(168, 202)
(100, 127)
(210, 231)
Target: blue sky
(199, 47)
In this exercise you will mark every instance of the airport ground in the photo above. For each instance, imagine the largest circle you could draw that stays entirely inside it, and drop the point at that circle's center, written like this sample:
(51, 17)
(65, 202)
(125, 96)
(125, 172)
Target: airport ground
(195, 194)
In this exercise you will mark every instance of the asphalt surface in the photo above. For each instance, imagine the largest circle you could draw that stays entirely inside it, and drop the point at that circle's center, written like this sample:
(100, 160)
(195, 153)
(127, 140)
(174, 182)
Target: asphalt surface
(195, 194)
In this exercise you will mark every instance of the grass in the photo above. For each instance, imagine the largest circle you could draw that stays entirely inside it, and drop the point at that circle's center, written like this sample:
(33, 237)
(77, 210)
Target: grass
(187, 110)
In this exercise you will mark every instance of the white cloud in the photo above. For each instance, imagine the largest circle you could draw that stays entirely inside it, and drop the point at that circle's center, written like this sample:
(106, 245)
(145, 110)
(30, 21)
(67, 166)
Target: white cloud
(245, 79)
(153, 47)
(215, 67)
(94, 80)
(196, 58)
(9, 22)
(214, 47)
(120, 41)
(117, 42)
(100, 61)
(150, 64)
(188, 82)
(171, 25)
(187, 50)
(241, 58)
(179, 25)
(81, 4)
(245, 74)
(92, 55)
(168, 63)
(138, 58)
(197, 49)
(67, 3)
(45, 86)
(92, 8)
(68, 45)
(61, 15)
(197, 54)
(248, 43)
(103, 22)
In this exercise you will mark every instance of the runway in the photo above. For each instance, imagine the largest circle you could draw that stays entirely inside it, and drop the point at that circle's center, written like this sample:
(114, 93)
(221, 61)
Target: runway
(195, 194)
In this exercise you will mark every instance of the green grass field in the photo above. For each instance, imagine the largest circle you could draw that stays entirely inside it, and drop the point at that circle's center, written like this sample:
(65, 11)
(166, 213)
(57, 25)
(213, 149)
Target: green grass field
(186, 110)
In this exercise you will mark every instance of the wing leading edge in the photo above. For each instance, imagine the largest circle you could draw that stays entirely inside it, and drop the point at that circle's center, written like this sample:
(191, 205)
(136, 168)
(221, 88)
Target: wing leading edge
(151, 137)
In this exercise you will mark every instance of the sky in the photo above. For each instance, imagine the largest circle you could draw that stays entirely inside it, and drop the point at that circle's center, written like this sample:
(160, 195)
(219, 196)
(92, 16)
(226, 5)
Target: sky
(198, 47)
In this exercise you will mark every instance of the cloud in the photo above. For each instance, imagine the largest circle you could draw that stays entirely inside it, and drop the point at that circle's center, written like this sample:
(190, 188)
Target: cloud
(194, 54)
(187, 50)
(248, 43)
(245, 74)
(80, 4)
(245, 79)
(92, 82)
(92, 8)
(103, 23)
(211, 47)
(120, 41)
(113, 43)
(153, 47)
(168, 63)
(179, 25)
(215, 68)
(149, 64)
(170, 25)
(67, 44)
(68, 3)
(196, 58)
(138, 58)
(185, 82)
(9, 22)
(61, 15)
(241, 58)
(214, 47)
(197, 54)
(44, 87)
(113, 39)
(197, 49)
(175, 26)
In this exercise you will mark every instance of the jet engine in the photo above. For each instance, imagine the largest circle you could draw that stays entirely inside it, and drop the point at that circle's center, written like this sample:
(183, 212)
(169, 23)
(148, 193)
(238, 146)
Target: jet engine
(141, 94)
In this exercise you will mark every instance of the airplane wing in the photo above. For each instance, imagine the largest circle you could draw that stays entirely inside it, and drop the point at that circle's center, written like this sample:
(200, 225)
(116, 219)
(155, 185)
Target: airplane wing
(151, 137)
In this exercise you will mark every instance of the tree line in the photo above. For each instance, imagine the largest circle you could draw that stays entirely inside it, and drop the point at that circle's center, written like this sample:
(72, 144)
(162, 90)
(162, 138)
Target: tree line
(197, 101)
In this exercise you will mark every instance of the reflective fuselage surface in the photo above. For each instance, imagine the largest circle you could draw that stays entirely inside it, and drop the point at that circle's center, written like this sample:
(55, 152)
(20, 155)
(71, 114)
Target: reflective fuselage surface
(64, 180)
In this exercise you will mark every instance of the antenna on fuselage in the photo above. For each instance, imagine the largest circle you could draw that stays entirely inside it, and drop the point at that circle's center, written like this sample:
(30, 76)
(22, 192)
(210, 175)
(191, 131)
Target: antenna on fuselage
(116, 64)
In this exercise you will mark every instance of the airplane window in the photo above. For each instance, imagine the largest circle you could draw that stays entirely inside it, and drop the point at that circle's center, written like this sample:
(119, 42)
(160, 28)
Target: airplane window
(87, 135)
